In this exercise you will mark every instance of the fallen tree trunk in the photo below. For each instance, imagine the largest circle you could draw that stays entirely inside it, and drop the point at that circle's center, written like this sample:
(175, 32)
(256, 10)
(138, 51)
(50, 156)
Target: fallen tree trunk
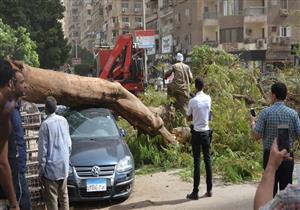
(72, 90)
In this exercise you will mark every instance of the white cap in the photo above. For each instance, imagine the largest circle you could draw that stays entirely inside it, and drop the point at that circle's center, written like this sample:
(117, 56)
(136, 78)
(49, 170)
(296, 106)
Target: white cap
(179, 57)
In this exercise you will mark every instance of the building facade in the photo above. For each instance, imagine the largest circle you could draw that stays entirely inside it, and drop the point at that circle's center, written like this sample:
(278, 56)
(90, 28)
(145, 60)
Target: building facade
(260, 31)
(120, 17)
(72, 20)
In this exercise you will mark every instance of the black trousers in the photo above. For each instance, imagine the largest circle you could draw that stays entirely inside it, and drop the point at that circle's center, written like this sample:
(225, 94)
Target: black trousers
(284, 174)
(201, 141)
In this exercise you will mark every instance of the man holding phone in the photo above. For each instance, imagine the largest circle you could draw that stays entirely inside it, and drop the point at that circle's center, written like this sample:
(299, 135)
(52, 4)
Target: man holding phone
(281, 122)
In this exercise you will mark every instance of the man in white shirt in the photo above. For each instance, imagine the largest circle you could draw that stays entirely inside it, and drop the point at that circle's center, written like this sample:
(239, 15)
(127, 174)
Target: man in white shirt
(199, 108)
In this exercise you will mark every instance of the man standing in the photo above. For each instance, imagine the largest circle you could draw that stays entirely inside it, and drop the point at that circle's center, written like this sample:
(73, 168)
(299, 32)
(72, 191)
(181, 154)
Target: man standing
(199, 109)
(180, 86)
(286, 199)
(7, 76)
(17, 140)
(266, 128)
(53, 156)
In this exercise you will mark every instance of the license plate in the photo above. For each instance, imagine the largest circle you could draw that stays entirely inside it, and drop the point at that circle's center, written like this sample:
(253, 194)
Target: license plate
(95, 185)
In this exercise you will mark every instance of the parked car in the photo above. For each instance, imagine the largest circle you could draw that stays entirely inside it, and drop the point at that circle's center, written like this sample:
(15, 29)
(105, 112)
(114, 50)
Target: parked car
(101, 164)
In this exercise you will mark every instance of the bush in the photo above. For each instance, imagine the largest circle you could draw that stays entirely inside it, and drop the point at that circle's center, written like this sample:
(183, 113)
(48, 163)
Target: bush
(235, 155)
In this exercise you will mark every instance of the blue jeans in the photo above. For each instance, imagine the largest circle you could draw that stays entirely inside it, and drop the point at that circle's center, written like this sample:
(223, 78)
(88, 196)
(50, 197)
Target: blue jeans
(23, 194)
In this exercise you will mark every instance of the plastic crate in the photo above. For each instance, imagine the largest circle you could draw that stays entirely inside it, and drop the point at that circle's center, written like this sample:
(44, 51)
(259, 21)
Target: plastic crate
(31, 119)
(35, 190)
(32, 168)
(31, 123)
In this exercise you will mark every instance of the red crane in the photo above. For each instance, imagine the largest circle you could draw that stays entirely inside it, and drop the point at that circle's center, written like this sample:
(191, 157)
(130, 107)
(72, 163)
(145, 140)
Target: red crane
(123, 63)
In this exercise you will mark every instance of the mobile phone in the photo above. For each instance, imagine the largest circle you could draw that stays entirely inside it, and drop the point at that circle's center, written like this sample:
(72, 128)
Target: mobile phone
(252, 112)
(283, 141)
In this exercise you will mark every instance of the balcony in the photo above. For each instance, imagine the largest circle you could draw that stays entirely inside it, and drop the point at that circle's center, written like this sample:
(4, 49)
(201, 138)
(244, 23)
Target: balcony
(255, 44)
(152, 17)
(210, 19)
(211, 43)
(232, 47)
(255, 15)
(165, 11)
(280, 43)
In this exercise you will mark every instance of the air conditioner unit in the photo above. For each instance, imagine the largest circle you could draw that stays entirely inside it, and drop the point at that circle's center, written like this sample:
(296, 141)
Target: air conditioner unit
(136, 9)
(283, 12)
(260, 43)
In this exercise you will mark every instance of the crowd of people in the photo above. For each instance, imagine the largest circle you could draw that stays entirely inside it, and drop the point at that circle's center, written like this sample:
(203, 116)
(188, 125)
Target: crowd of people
(278, 165)
(54, 147)
(54, 144)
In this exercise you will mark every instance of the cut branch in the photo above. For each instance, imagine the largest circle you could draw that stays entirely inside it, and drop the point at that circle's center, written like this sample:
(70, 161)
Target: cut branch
(75, 91)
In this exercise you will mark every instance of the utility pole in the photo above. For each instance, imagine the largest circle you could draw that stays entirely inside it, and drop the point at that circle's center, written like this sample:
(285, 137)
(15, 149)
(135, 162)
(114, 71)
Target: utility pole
(76, 48)
(145, 51)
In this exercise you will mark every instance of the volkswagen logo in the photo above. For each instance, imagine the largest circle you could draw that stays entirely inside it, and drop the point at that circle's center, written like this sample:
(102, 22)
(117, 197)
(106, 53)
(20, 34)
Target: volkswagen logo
(96, 171)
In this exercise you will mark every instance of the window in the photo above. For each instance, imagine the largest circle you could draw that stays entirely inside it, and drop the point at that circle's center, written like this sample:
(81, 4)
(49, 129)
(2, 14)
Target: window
(125, 32)
(114, 19)
(114, 33)
(177, 18)
(89, 12)
(285, 31)
(231, 7)
(137, 7)
(274, 29)
(138, 19)
(124, 6)
(125, 19)
(231, 35)
(284, 4)
(187, 12)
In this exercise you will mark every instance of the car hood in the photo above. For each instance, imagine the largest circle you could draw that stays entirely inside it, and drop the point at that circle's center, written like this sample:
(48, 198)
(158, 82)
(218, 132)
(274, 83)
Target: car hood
(98, 152)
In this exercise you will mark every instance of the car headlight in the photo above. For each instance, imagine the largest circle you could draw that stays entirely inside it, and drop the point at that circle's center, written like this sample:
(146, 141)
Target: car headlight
(125, 164)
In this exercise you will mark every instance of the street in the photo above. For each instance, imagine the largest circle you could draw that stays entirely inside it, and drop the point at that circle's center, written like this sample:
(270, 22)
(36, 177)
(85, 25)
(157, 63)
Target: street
(165, 190)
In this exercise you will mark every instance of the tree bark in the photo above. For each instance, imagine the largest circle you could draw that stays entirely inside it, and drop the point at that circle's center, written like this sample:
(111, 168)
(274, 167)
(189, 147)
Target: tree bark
(77, 91)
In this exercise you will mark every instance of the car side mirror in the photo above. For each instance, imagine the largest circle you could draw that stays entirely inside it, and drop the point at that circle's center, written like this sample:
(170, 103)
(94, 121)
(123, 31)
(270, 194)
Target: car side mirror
(122, 132)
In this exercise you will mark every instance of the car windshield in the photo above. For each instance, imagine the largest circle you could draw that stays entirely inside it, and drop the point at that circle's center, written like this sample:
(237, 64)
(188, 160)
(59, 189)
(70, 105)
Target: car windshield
(91, 124)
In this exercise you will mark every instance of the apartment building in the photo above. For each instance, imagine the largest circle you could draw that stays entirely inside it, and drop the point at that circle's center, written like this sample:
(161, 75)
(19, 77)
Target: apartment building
(260, 31)
(97, 21)
(86, 35)
(152, 22)
(121, 17)
(72, 20)
(165, 26)
(188, 30)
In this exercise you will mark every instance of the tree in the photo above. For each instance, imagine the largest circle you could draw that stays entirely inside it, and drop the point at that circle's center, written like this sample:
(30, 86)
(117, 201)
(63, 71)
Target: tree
(87, 61)
(16, 44)
(75, 91)
(41, 18)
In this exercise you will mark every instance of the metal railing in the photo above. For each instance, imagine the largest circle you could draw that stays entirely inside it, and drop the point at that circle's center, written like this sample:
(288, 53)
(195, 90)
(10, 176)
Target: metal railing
(254, 11)
(210, 15)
